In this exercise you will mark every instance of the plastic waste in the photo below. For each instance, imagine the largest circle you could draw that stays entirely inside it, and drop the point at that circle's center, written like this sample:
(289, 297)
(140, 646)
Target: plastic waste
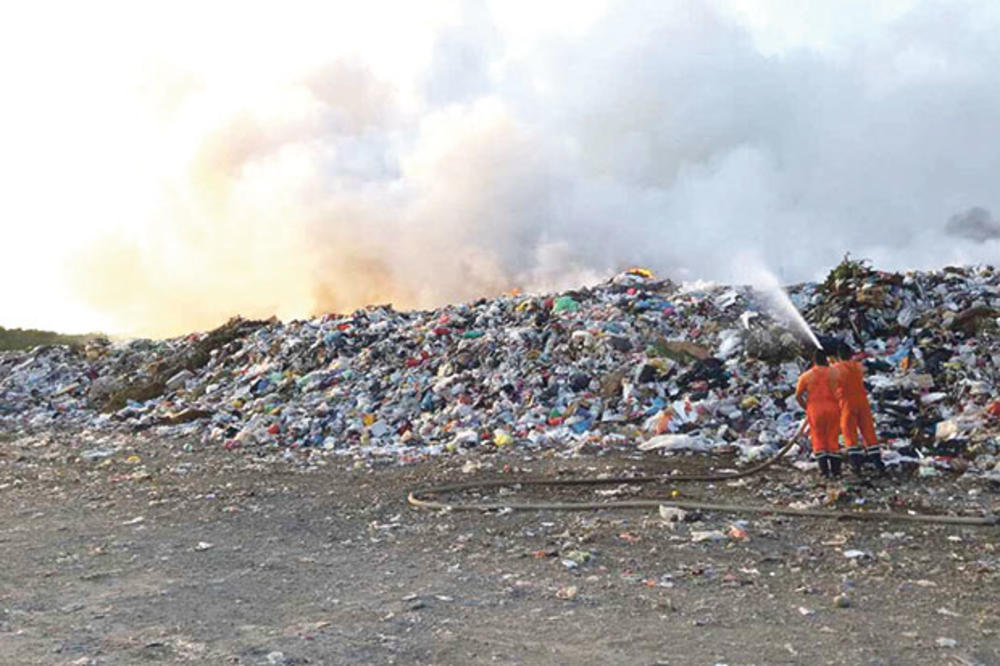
(635, 363)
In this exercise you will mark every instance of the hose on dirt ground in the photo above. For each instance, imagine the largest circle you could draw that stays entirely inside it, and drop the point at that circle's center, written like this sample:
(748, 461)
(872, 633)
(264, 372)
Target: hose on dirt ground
(420, 497)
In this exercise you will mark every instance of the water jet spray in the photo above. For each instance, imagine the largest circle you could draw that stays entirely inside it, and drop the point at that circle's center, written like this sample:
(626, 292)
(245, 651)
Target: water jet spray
(767, 283)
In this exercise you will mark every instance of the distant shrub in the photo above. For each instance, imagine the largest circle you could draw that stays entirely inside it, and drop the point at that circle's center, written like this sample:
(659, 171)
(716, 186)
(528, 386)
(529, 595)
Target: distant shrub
(26, 338)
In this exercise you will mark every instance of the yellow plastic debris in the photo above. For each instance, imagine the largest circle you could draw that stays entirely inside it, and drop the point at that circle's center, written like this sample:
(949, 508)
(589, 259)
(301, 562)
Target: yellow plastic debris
(502, 438)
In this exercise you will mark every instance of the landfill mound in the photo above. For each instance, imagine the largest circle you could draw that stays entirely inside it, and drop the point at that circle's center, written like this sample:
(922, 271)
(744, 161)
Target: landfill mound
(637, 363)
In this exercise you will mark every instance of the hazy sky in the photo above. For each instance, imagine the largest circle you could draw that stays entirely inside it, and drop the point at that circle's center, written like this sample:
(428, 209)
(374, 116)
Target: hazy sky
(167, 165)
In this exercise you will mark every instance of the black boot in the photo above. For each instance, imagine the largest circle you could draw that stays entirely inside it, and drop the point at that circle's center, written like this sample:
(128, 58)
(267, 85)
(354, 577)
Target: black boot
(874, 456)
(855, 457)
(824, 466)
(835, 465)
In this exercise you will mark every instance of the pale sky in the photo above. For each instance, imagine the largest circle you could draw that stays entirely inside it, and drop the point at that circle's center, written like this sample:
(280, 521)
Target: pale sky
(168, 164)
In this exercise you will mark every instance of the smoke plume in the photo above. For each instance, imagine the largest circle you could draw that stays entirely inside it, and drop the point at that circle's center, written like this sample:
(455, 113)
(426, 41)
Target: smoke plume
(976, 224)
(662, 134)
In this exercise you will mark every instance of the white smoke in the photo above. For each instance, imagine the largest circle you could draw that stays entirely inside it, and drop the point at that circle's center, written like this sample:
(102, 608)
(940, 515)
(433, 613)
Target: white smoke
(662, 134)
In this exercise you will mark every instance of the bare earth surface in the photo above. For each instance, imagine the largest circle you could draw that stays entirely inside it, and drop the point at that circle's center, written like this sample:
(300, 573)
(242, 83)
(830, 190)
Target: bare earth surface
(157, 555)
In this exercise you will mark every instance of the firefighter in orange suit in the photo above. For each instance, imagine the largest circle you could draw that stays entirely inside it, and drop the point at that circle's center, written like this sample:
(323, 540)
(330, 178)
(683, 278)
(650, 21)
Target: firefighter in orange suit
(816, 392)
(855, 412)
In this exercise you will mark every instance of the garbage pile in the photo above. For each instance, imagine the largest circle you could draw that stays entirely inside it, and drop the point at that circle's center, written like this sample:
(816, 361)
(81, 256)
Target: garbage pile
(634, 363)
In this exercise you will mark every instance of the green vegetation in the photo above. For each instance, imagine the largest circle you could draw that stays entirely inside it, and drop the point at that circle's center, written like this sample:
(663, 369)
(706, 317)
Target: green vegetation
(26, 338)
(846, 270)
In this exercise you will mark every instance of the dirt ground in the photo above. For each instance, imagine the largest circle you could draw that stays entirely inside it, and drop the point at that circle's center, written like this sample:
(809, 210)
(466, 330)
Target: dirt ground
(157, 554)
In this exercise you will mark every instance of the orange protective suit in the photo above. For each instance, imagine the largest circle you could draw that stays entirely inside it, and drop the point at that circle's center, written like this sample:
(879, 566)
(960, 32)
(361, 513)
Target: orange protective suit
(819, 386)
(855, 412)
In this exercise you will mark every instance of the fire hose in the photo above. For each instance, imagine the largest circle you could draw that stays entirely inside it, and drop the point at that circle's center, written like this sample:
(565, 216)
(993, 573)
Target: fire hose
(421, 497)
